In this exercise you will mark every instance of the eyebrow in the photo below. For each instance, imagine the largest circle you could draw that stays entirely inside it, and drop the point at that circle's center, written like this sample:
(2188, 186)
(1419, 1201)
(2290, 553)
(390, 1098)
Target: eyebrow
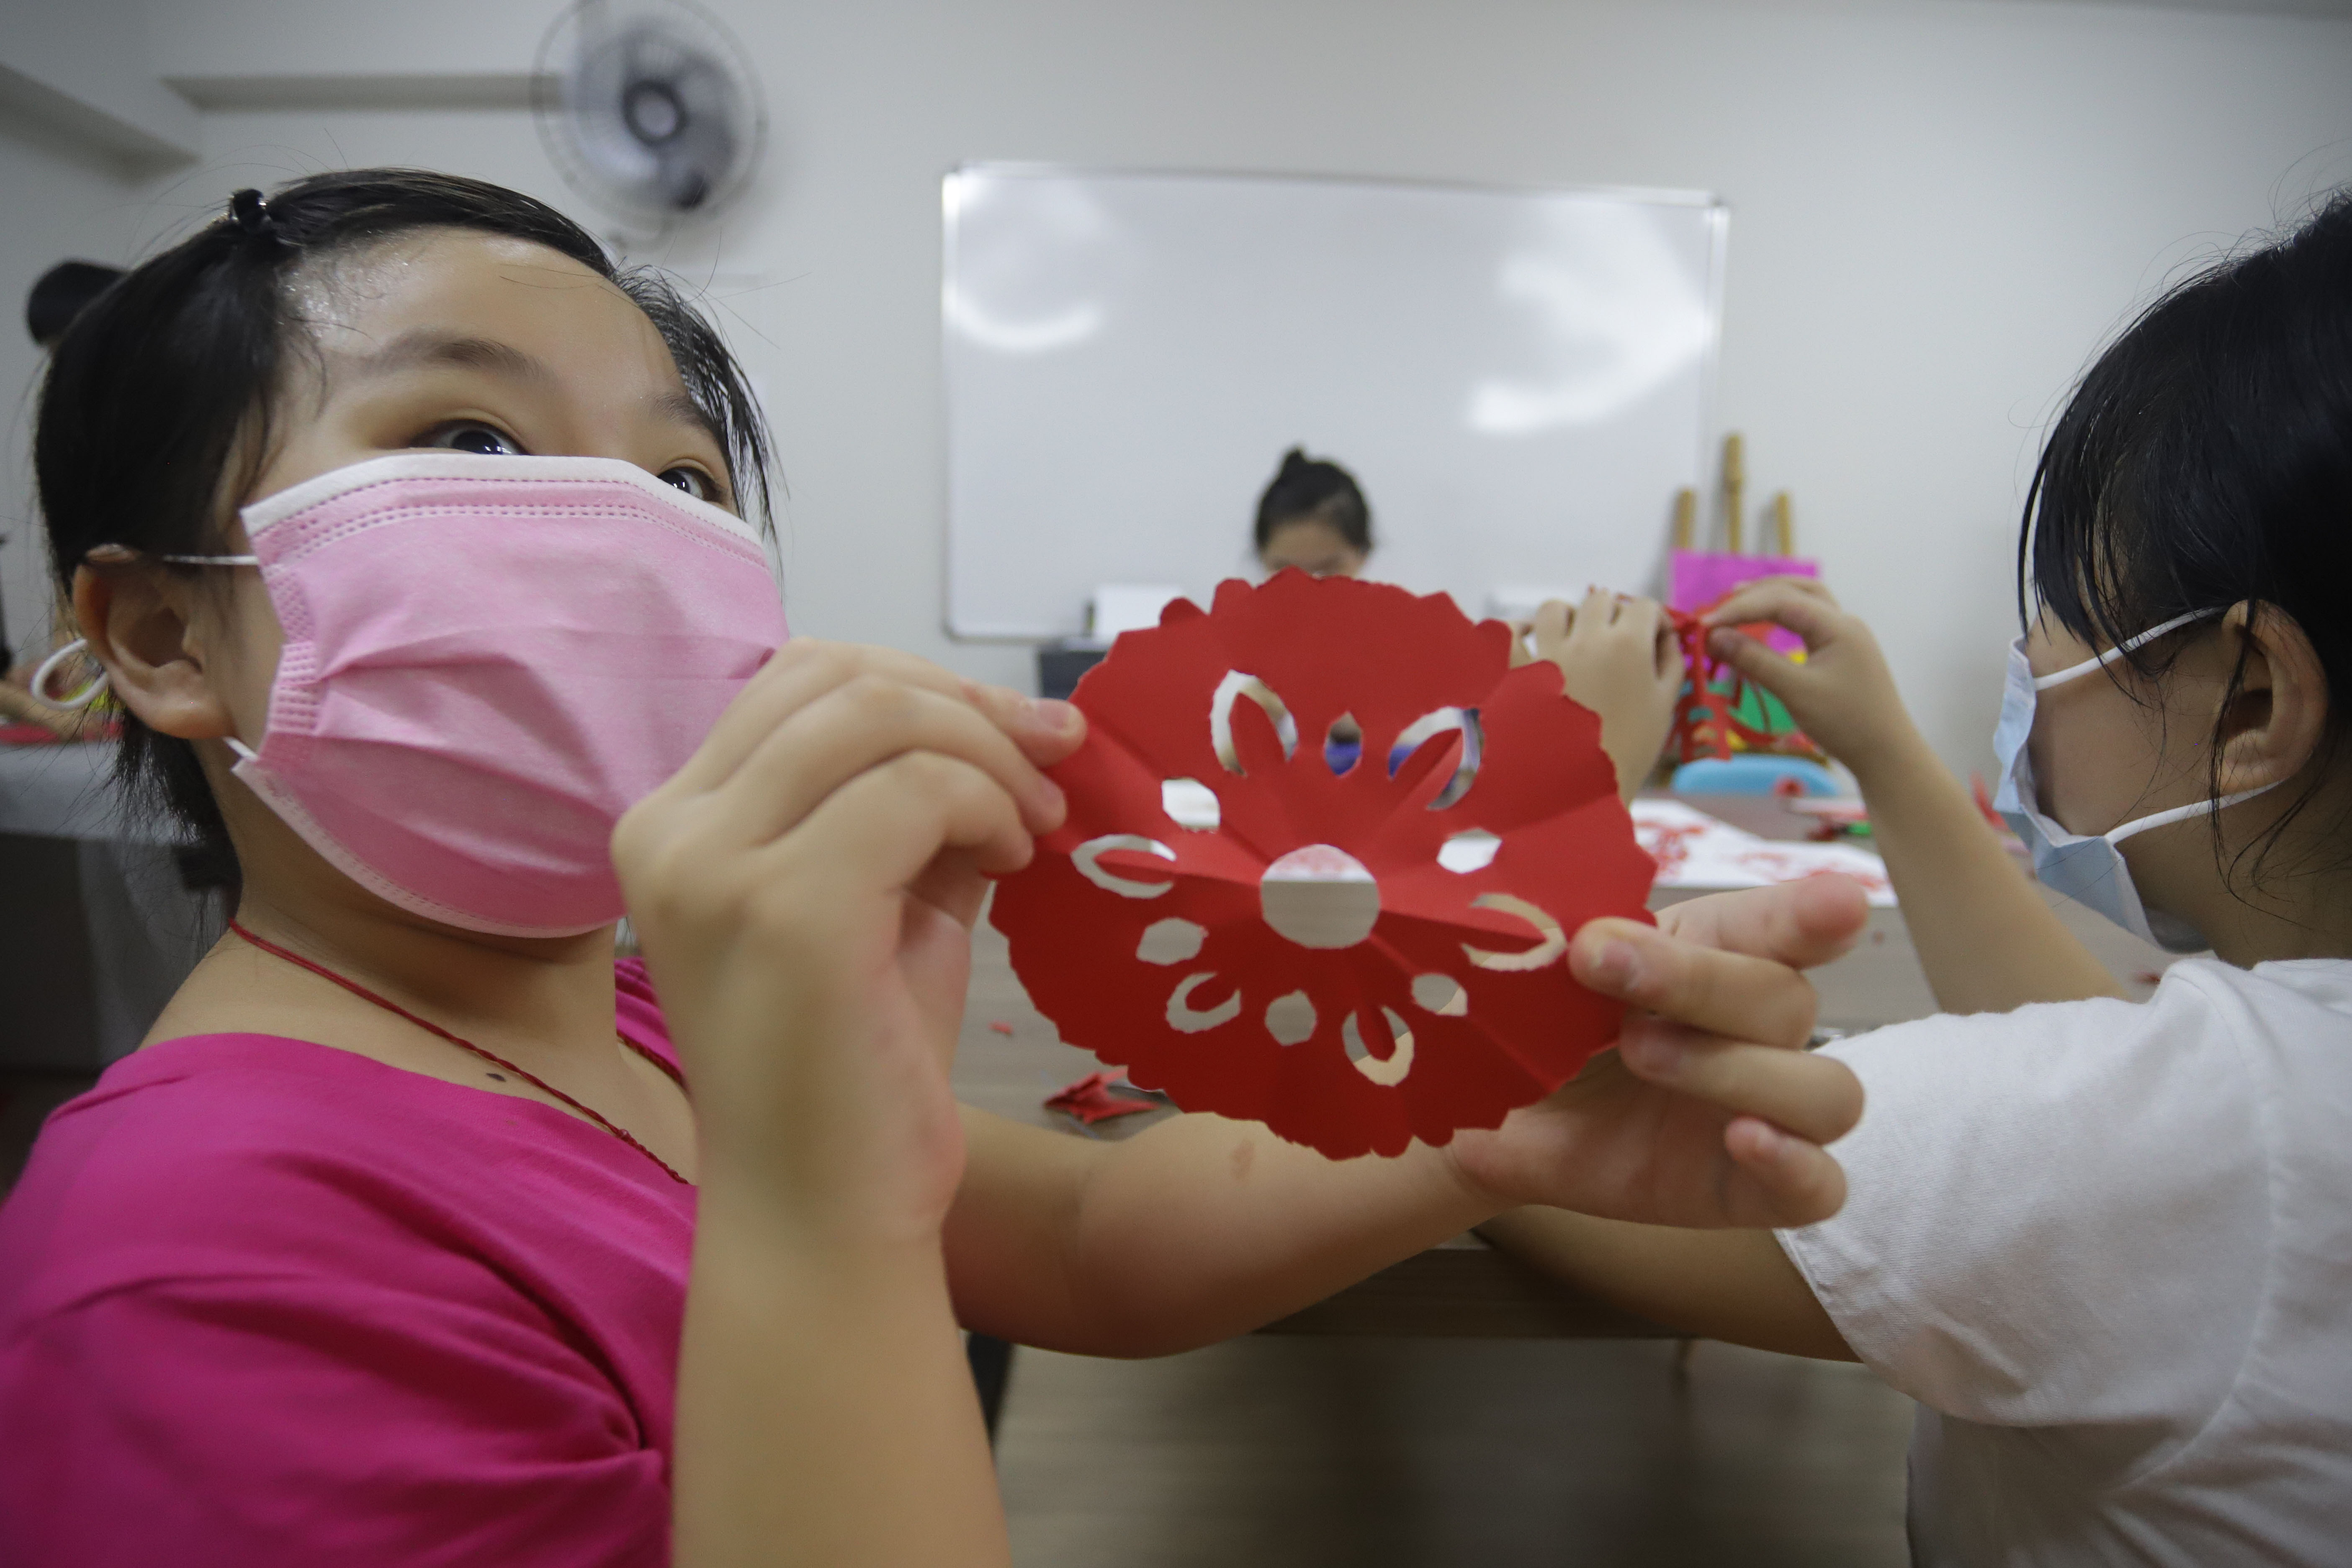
(681, 407)
(430, 348)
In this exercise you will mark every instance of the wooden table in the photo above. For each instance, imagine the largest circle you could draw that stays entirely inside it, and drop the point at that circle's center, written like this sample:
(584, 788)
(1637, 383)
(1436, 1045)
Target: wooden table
(1465, 1287)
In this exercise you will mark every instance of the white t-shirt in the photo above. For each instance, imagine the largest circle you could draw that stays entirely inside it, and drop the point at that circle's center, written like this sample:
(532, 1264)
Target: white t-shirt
(2107, 1247)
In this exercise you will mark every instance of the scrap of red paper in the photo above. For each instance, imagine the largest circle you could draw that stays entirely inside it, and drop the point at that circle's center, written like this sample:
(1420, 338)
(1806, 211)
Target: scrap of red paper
(1092, 1100)
(1148, 941)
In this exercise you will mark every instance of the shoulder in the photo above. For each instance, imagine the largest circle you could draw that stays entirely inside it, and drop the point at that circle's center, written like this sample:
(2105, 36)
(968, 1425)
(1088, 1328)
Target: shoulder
(2059, 1215)
(212, 1154)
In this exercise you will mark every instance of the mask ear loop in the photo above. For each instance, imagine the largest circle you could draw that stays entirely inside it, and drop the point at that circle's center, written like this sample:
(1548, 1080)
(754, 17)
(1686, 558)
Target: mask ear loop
(49, 666)
(2044, 682)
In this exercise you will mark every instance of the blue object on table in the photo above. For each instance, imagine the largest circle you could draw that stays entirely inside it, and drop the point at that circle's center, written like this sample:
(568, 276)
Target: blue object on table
(1751, 772)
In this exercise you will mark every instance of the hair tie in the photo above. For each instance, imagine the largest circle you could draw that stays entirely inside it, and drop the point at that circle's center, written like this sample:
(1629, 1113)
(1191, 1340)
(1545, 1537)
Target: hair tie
(251, 211)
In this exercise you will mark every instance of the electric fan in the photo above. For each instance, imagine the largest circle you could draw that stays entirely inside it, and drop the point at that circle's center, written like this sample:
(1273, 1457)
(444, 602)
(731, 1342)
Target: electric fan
(648, 108)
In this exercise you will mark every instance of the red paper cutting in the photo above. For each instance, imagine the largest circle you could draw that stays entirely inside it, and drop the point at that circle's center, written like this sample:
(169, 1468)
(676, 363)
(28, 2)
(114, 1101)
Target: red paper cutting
(1095, 1097)
(1325, 852)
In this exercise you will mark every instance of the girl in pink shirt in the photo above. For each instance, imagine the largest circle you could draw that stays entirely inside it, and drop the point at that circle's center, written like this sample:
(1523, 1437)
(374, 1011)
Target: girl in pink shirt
(408, 534)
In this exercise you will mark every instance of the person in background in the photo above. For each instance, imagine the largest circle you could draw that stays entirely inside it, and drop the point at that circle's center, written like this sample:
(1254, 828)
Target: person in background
(1313, 516)
(2104, 1244)
(60, 294)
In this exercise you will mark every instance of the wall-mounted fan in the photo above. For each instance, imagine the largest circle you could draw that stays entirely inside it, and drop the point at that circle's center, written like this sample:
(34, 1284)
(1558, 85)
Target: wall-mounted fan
(648, 108)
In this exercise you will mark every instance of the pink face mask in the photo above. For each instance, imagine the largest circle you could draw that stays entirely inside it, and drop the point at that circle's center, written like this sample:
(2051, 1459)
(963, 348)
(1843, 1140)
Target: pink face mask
(487, 661)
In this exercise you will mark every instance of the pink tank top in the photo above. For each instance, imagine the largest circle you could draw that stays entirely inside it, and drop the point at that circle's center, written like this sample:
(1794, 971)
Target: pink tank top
(265, 1302)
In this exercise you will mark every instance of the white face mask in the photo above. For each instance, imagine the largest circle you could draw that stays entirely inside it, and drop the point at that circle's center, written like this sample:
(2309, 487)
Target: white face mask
(2089, 869)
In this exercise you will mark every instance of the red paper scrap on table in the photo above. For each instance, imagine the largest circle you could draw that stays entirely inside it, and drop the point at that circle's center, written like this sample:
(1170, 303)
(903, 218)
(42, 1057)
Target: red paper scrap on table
(1001, 1026)
(1325, 853)
(1095, 1097)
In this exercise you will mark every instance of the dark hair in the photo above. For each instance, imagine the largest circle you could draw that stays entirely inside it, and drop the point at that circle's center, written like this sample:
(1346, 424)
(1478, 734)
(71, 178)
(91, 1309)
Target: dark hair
(1309, 490)
(2206, 461)
(166, 381)
(60, 295)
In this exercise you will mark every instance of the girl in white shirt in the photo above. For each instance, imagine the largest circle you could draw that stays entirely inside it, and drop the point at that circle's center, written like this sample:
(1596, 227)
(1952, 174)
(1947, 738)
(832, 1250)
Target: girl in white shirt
(2107, 1245)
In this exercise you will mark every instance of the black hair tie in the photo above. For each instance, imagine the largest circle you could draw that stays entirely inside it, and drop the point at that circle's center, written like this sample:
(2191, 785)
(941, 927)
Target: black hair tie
(251, 211)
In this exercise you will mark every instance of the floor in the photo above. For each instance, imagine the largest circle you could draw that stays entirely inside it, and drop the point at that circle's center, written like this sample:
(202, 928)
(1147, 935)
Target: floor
(1297, 1453)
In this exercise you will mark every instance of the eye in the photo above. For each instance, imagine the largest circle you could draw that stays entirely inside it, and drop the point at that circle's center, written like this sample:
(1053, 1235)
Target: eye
(693, 481)
(472, 436)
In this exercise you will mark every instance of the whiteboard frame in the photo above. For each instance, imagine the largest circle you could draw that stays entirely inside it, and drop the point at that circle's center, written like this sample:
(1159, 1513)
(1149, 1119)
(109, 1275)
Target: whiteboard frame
(1718, 221)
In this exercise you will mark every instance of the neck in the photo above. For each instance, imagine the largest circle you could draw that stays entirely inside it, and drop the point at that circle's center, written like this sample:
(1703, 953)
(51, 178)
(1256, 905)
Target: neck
(2276, 885)
(550, 987)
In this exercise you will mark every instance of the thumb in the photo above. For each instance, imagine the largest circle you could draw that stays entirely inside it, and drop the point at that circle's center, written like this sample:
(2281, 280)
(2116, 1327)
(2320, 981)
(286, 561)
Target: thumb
(1774, 672)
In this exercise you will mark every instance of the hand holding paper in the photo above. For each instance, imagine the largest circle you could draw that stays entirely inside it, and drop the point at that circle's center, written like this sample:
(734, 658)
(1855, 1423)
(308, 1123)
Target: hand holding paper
(1710, 1114)
(1358, 942)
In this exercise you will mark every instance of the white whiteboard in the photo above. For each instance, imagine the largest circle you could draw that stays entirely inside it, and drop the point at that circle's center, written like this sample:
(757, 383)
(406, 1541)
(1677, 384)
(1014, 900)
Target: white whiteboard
(1519, 379)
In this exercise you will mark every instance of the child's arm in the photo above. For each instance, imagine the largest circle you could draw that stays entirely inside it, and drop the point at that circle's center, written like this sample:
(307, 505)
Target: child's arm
(1201, 1229)
(1985, 937)
(804, 888)
(1737, 1286)
(1617, 657)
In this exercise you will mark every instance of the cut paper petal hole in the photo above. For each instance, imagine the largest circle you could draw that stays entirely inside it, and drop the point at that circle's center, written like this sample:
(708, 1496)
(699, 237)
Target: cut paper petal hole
(1343, 745)
(1471, 851)
(1189, 803)
(1181, 1016)
(1291, 1019)
(1320, 896)
(1387, 1071)
(1441, 994)
(1170, 941)
(1554, 943)
(1086, 858)
(1221, 717)
(1427, 727)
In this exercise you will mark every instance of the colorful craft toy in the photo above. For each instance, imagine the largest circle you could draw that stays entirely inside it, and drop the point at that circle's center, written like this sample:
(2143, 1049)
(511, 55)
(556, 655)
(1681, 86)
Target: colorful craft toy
(1720, 713)
(1325, 853)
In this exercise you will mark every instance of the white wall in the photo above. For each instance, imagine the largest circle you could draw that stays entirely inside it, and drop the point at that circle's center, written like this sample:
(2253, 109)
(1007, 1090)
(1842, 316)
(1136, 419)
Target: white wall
(61, 199)
(1939, 208)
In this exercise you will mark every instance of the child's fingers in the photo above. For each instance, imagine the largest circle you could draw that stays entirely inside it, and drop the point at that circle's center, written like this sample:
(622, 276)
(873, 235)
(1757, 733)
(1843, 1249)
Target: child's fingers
(1552, 620)
(883, 828)
(1802, 924)
(1816, 1097)
(1046, 728)
(806, 668)
(1797, 1183)
(1597, 614)
(1728, 994)
(1740, 606)
(1783, 601)
(857, 726)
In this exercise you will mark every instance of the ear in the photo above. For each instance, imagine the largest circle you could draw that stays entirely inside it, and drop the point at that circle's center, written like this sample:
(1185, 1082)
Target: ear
(136, 618)
(2278, 720)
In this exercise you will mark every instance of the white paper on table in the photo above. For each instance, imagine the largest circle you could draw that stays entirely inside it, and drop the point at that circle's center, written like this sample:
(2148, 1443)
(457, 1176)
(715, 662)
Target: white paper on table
(1696, 850)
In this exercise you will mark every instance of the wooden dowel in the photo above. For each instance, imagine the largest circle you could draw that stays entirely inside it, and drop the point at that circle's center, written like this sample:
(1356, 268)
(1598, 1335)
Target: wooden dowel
(1734, 484)
(1783, 529)
(1685, 518)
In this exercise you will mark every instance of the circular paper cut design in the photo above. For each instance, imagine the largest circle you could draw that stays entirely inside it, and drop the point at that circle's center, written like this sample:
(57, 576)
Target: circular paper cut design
(1325, 853)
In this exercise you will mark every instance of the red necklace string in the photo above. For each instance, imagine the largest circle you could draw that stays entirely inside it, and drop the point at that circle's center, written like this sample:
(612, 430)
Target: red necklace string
(356, 989)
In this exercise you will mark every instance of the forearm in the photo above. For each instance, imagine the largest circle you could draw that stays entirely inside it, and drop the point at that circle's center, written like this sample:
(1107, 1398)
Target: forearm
(1985, 937)
(1732, 1284)
(825, 1413)
(1191, 1232)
